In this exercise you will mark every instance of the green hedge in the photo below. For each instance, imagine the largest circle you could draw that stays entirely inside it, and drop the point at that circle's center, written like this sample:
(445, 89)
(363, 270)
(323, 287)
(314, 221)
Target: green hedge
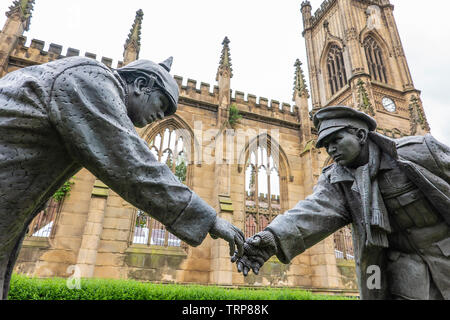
(25, 288)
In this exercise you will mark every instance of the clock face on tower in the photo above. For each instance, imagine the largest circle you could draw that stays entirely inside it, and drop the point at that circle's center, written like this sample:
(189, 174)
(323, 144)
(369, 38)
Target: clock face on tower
(389, 104)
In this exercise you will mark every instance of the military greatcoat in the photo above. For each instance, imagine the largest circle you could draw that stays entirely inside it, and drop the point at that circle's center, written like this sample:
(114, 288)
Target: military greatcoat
(335, 202)
(61, 116)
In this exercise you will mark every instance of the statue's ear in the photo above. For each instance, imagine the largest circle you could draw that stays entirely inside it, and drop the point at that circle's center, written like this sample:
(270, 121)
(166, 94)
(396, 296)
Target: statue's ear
(139, 84)
(362, 135)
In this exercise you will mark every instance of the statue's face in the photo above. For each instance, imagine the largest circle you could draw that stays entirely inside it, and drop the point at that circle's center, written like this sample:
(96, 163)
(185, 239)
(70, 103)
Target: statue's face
(344, 147)
(144, 106)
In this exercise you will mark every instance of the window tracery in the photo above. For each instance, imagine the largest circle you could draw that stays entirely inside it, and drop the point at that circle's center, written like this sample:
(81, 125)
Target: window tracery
(168, 146)
(262, 190)
(337, 77)
(375, 60)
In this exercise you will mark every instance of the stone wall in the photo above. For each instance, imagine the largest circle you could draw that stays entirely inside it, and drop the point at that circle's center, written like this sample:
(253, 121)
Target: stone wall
(347, 273)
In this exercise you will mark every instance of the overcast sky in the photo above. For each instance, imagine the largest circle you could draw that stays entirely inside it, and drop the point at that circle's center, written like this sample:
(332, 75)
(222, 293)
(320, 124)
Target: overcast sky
(265, 40)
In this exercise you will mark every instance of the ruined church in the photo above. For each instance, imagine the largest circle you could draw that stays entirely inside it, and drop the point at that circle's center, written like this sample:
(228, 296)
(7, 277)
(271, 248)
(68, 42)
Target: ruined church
(249, 158)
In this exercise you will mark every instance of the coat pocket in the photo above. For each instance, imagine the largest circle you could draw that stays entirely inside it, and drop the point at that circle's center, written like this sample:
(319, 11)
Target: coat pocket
(408, 277)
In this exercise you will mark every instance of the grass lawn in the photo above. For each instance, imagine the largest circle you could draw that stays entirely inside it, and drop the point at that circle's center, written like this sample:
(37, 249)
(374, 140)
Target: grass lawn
(25, 288)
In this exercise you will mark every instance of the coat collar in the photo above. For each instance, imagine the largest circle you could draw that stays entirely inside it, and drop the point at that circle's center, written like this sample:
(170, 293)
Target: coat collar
(388, 147)
(386, 144)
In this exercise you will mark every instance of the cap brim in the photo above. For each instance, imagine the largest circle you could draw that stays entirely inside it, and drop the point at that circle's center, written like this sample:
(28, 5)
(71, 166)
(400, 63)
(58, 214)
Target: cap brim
(173, 106)
(171, 110)
(325, 133)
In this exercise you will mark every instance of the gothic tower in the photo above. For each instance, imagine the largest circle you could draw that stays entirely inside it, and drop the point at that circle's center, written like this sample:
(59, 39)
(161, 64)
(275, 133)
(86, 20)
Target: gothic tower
(19, 17)
(356, 58)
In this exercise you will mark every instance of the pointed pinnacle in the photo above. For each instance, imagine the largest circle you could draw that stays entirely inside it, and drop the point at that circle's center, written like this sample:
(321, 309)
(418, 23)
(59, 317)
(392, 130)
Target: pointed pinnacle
(135, 32)
(300, 86)
(27, 6)
(134, 37)
(225, 41)
(225, 58)
(24, 8)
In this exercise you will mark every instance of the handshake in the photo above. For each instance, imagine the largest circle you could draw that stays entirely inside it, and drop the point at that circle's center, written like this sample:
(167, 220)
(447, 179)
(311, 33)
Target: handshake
(252, 253)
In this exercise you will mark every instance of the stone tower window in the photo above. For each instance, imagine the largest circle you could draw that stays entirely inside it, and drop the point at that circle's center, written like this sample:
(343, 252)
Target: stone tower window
(262, 190)
(168, 146)
(337, 77)
(375, 60)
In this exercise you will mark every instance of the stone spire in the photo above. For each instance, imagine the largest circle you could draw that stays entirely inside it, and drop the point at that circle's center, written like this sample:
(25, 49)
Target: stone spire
(301, 96)
(300, 87)
(223, 77)
(225, 61)
(133, 43)
(24, 9)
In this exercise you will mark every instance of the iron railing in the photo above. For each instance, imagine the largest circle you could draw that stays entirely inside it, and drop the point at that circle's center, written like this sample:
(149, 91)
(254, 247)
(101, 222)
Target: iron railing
(151, 232)
(343, 244)
(43, 224)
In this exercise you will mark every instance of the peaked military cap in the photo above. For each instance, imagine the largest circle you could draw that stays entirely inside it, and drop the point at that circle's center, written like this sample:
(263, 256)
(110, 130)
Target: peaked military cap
(331, 119)
(163, 78)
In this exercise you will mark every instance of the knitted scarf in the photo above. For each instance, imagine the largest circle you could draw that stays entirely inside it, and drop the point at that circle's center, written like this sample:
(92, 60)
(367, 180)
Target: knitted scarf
(376, 219)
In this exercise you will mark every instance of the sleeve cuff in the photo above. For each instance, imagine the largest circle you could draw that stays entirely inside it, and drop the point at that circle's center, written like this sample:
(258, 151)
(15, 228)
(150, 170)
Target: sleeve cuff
(289, 239)
(194, 222)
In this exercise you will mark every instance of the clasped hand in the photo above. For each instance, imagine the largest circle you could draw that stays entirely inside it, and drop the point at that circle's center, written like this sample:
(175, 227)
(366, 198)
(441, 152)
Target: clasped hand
(257, 250)
(228, 232)
(252, 253)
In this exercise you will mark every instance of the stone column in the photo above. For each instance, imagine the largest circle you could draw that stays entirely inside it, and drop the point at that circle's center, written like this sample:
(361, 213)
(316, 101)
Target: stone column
(323, 265)
(221, 267)
(87, 255)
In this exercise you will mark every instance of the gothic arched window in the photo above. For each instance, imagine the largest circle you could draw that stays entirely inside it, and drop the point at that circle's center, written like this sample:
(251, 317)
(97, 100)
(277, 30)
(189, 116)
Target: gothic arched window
(375, 60)
(262, 189)
(337, 77)
(169, 146)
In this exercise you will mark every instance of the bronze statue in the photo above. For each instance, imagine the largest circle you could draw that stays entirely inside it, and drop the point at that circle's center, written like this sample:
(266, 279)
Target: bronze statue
(396, 195)
(61, 116)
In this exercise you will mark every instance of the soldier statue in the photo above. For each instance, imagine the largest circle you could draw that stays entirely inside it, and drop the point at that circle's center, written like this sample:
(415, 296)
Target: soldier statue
(396, 195)
(76, 112)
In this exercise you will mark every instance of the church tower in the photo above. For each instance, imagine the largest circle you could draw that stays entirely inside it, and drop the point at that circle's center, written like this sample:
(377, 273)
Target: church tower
(356, 58)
